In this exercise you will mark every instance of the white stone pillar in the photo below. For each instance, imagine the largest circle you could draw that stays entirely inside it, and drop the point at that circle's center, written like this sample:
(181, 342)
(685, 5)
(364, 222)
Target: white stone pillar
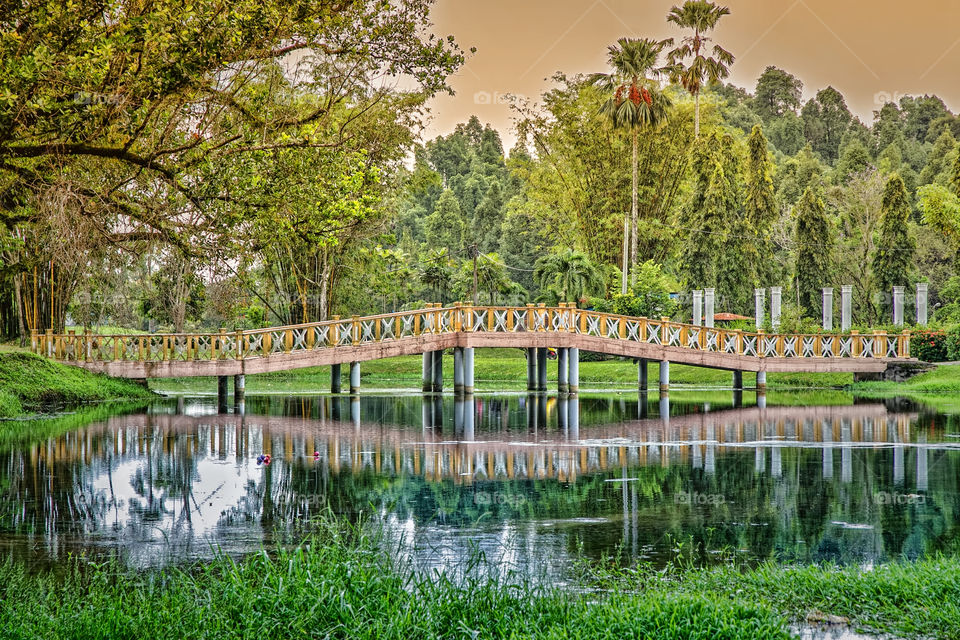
(573, 376)
(427, 372)
(458, 370)
(828, 308)
(922, 304)
(776, 296)
(708, 303)
(468, 369)
(698, 307)
(563, 386)
(664, 376)
(354, 377)
(898, 306)
(759, 302)
(846, 307)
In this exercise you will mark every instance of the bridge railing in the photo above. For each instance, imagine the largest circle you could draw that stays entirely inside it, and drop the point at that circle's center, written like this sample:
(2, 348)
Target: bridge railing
(262, 343)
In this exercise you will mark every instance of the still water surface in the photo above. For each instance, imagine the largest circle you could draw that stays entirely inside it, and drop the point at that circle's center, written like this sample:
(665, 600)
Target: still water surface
(530, 482)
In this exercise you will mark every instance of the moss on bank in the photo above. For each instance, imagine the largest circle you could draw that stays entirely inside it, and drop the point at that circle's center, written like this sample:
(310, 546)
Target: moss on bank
(30, 383)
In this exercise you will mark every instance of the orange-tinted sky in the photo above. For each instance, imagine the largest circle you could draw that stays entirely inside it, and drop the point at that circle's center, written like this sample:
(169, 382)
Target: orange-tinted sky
(869, 50)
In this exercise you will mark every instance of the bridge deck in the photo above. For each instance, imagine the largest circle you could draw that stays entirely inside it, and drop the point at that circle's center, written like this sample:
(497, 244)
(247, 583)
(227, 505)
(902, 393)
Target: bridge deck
(415, 332)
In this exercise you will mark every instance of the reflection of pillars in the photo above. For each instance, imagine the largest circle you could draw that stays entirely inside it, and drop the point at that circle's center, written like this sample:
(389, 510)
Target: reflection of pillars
(469, 414)
(222, 390)
(573, 418)
(427, 372)
(542, 412)
(759, 460)
(761, 400)
(697, 461)
(354, 377)
(426, 406)
(642, 406)
(776, 462)
(634, 516)
(664, 377)
(468, 369)
(458, 409)
(541, 369)
(922, 482)
(827, 437)
(737, 398)
(458, 371)
(665, 410)
(898, 464)
(335, 378)
(531, 413)
(437, 412)
(437, 369)
(181, 405)
(642, 381)
(573, 375)
(563, 403)
(710, 459)
(531, 369)
(355, 410)
(563, 386)
(335, 409)
(846, 453)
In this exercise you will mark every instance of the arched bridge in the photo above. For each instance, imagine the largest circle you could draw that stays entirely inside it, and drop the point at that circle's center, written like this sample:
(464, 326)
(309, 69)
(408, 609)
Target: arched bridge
(462, 328)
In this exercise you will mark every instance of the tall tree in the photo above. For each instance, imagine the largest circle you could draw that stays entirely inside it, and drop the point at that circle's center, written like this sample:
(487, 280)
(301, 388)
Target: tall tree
(445, 227)
(814, 242)
(955, 178)
(825, 120)
(761, 207)
(701, 17)
(777, 93)
(635, 101)
(896, 247)
(569, 274)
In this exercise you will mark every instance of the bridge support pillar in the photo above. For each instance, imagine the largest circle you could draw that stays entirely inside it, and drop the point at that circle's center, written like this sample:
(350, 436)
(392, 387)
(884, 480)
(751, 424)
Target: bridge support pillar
(541, 368)
(437, 371)
(468, 370)
(762, 381)
(563, 356)
(664, 377)
(223, 388)
(354, 378)
(738, 380)
(335, 378)
(427, 372)
(531, 369)
(458, 371)
(239, 386)
(573, 371)
(642, 380)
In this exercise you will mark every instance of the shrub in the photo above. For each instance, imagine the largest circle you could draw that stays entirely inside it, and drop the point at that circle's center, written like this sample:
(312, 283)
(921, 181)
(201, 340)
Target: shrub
(929, 346)
(953, 344)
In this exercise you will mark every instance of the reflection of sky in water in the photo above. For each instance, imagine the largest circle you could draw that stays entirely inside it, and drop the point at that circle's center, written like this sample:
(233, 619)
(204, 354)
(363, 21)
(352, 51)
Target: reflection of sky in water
(522, 484)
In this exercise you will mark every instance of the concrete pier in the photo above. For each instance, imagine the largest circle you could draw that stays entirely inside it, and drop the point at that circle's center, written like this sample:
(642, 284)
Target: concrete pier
(563, 386)
(437, 369)
(541, 368)
(468, 370)
(354, 378)
(223, 389)
(427, 386)
(573, 373)
(664, 377)
(642, 379)
(738, 380)
(335, 375)
(531, 369)
(762, 381)
(239, 393)
(458, 371)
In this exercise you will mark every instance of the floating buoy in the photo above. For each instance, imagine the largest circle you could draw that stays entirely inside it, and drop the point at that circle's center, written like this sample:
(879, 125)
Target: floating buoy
(266, 459)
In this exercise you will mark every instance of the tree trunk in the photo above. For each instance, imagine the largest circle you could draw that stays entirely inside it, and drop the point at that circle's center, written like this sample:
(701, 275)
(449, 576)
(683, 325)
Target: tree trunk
(634, 240)
(696, 115)
(626, 254)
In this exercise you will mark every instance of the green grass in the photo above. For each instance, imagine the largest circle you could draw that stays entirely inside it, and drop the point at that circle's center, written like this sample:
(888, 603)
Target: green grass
(29, 383)
(340, 583)
(943, 379)
(505, 369)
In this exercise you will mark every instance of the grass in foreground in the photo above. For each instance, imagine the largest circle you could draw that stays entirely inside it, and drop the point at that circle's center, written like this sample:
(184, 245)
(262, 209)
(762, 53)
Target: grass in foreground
(341, 585)
(29, 382)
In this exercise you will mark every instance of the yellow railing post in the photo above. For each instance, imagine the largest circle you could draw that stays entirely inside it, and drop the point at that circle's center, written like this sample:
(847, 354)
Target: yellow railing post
(665, 330)
(140, 351)
(457, 317)
(903, 349)
(760, 337)
(116, 348)
(879, 344)
(818, 346)
(856, 343)
(739, 342)
(467, 312)
(621, 328)
(356, 329)
(241, 347)
(334, 334)
(530, 320)
(416, 323)
(165, 350)
(574, 312)
(643, 329)
(583, 323)
(542, 315)
(267, 344)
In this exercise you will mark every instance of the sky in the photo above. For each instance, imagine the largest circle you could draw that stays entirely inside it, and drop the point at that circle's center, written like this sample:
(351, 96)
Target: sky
(871, 51)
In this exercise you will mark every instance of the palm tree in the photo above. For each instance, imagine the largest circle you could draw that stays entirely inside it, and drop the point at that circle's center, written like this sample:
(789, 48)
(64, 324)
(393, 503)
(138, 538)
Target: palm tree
(435, 271)
(569, 273)
(701, 16)
(635, 101)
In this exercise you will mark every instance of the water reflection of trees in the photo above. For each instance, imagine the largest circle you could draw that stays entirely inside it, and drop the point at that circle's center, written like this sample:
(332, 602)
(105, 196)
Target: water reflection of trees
(792, 503)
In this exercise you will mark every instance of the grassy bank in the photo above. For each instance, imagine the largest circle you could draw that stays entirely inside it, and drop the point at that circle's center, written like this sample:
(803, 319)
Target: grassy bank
(506, 369)
(943, 379)
(339, 585)
(29, 383)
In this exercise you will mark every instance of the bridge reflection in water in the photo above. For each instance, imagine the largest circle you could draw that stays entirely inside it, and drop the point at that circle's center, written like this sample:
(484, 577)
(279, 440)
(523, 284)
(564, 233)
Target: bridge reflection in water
(523, 478)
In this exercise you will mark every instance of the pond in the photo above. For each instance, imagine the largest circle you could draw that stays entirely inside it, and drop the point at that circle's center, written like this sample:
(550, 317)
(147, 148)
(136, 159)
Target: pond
(526, 482)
